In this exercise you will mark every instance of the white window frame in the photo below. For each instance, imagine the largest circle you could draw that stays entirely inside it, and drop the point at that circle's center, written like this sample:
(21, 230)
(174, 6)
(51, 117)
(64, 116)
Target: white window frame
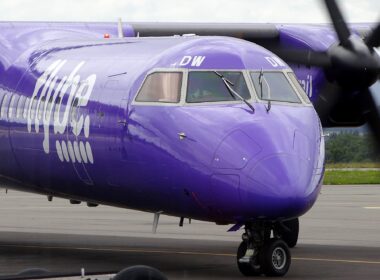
(275, 102)
(158, 103)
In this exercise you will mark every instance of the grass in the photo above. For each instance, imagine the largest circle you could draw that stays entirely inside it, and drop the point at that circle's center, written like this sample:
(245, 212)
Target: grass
(354, 177)
(353, 165)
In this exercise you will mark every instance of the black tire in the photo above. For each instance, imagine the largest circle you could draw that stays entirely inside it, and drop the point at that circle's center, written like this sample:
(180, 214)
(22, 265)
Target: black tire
(140, 272)
(291, 237)
(247, 269)
(275, 258)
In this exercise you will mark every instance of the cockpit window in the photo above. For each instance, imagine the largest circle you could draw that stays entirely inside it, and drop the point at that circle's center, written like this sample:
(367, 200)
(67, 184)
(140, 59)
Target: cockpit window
(274, 86)
(207, 86)
(300, 89)
(164, 87)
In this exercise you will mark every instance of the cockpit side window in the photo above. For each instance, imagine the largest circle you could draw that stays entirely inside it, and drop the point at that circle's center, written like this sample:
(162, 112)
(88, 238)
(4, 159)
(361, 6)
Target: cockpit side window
(274, 86)
(163, 87)
(300, 89)
(208, 86)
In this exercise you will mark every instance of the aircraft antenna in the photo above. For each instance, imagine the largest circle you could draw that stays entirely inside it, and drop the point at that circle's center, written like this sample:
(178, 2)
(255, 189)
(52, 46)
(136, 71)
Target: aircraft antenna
(155, 221)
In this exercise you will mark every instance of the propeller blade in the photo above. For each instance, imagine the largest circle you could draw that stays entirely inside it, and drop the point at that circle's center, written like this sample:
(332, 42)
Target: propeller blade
(340, 25)
(304, 57)
(373, 40)
(373, 109)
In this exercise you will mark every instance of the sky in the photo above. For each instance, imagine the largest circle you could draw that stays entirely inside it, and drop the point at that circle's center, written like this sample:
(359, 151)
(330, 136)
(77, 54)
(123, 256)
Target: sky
(286, 11)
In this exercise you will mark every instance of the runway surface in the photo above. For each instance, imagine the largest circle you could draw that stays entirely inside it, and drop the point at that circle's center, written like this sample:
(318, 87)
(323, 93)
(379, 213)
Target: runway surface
(339, 239)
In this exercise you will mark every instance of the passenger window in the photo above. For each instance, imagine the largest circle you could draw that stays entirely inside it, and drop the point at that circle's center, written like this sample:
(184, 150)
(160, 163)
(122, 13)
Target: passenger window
(26, 108)
(12, 106)
(274, 86)
(210, 87)
(161, 87)
(74, 109)
(1, 98)
(20, 106)
(34, 105)
(3, 106)
(50, 104)
(41, 108)
(300, 89)
(56, 111)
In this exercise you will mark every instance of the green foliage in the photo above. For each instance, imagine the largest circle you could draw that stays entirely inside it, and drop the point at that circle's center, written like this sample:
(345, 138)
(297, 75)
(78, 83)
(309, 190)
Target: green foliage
(351, 147)
(352, 177)
(353, 165)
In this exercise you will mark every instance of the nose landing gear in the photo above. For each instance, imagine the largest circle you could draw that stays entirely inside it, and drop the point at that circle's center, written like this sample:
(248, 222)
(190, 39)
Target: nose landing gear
(260, 254)
(289, 232)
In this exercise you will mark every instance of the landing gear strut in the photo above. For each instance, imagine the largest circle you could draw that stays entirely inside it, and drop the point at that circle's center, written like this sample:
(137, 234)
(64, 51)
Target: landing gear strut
(259, 253)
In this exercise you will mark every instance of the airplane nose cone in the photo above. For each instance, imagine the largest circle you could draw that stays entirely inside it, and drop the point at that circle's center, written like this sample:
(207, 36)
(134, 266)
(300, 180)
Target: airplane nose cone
(285, 175)
(279, 186)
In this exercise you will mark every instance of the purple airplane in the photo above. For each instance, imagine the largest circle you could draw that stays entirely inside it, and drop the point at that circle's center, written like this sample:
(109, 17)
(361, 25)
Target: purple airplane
(213, 128)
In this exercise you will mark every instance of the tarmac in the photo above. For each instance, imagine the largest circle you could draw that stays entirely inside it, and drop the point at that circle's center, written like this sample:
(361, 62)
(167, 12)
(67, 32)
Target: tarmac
(339, 239)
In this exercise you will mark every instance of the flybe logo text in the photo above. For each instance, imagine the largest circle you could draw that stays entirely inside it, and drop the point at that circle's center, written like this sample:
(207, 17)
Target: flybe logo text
(68, 93)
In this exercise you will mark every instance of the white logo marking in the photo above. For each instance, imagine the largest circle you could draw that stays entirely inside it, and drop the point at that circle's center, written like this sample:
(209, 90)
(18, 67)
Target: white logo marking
(195, 61)
(50, 89)
(275, 61)
(307, 85)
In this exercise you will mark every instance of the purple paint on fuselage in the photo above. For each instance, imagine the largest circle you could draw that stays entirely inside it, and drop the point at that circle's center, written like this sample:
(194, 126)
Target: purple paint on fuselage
(314, 37)
(138, 160)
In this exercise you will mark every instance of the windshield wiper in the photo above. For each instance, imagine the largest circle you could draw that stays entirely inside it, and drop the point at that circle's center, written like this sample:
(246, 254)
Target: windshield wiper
(261, 78)
(233, 93)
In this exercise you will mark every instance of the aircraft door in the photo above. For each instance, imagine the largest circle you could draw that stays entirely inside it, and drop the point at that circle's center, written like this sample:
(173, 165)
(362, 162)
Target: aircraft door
(123, 122)
(114, 117)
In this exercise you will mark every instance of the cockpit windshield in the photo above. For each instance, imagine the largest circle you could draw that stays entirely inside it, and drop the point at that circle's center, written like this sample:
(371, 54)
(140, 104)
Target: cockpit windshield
(300, 89)
(206, 86)
(274, 86)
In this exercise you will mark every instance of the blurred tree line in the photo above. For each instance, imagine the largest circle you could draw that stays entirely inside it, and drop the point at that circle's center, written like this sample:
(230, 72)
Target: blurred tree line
(351, 147)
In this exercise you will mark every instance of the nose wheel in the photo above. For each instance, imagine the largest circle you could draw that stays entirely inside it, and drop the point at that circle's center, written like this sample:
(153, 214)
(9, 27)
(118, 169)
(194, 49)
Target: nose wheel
(275, 258)
(248, 261)
(259, 254)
